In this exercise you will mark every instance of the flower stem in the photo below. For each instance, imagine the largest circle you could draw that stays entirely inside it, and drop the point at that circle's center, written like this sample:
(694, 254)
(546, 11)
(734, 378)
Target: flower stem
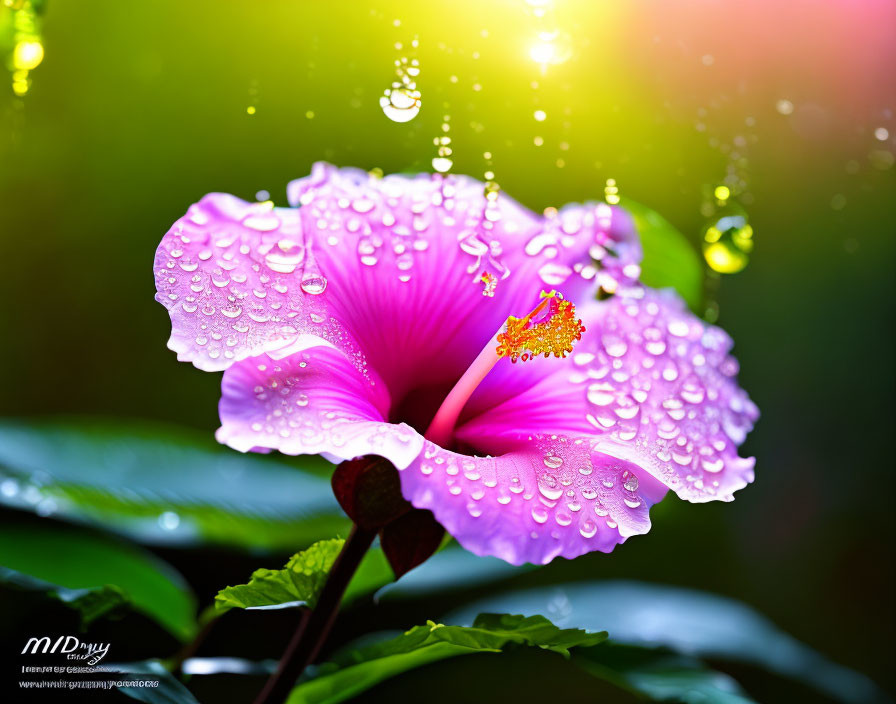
(313, 630)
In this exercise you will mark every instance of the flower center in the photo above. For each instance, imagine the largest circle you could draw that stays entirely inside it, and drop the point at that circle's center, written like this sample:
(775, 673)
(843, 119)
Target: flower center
(549, 328)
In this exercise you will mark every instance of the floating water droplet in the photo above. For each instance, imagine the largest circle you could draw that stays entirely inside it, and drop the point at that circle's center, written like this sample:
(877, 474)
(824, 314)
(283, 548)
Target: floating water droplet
(401, 104)
(784, 106)
(728, 240)
(611, 192)
(442, 164)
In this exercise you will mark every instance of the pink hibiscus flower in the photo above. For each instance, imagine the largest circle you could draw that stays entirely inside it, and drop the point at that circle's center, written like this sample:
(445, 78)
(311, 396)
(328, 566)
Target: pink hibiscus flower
(355, 324)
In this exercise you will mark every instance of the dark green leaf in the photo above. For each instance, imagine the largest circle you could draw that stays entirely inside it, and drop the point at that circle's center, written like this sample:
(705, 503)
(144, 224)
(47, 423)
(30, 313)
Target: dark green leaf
(356, 670)
(686, 621)
(83, 565)
(297, 584)
(163, 485)
(169, 690)
(90, 602)
(659, 675)
(670, 261)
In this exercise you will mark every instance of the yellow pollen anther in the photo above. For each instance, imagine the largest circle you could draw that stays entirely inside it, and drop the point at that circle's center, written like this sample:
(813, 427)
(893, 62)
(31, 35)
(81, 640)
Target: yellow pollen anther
(554, 333)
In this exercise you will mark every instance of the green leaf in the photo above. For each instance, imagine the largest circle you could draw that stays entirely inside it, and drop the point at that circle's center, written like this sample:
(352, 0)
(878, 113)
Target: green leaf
(683, 620)
(95, 573)
(90, 602)
(162, 485)
(448, 569)
(659, 675)
(451, 568)
(670, 261)
(169, 690)
(356, 670)
(299, 583)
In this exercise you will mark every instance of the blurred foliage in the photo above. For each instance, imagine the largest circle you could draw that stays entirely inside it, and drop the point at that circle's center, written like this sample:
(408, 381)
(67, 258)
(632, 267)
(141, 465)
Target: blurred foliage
(110, 570)
(670, 261)
(169, 691)
(684, 620)
(163, 485)
(90, 602)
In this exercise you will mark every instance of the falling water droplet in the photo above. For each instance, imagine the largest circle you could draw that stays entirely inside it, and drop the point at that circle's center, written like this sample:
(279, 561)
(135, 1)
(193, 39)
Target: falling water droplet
(443, 162)
(728, 240)
(27, 47)
(401, 104)
(611, 192)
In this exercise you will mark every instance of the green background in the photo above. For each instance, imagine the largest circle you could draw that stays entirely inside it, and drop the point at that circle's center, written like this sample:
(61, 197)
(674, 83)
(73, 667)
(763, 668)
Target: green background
(140, 108)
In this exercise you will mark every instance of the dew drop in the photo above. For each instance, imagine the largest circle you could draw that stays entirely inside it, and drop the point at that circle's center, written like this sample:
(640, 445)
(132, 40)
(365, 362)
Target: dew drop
(169, 520)
(313, 284)
(549, 487)
(553, 461)
(539, 514)
(588, 528)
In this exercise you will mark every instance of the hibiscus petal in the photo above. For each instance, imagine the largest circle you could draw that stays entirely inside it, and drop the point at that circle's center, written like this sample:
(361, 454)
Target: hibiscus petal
(402, 256)
(652, 384)
(313, 401)
(588, 246)
(395, 260)
(231, 275)
(558, 497)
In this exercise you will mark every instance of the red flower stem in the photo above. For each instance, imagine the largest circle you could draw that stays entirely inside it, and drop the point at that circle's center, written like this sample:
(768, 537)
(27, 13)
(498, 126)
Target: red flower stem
(313, 630)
